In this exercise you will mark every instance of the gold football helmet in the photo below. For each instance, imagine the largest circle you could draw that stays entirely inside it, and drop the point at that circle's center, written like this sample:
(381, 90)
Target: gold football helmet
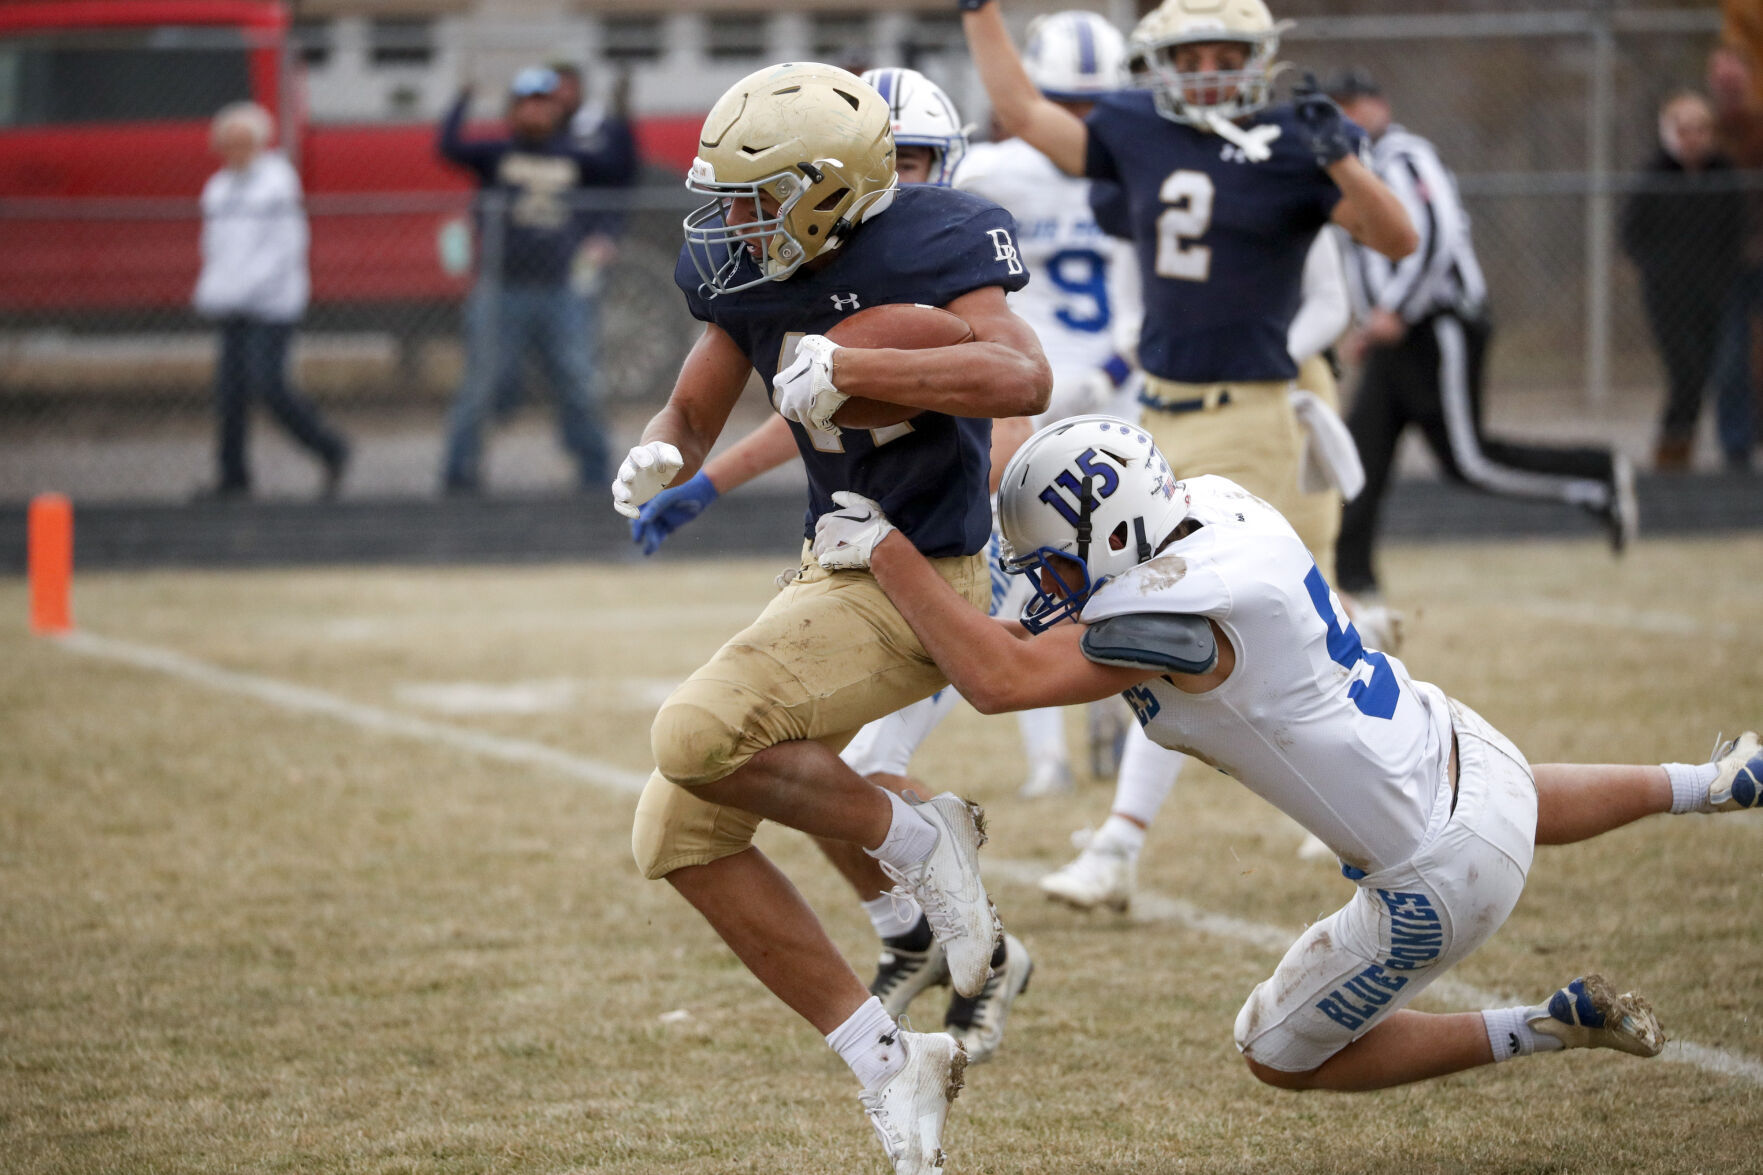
(1181, 96)
(813, 141)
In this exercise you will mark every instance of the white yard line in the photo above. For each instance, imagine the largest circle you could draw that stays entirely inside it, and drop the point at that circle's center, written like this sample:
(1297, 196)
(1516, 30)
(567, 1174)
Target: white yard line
(305, 700)
(1628, 619)
(1147, 907)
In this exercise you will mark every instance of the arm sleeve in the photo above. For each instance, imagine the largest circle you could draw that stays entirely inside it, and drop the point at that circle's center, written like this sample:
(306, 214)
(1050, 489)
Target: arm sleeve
(1326, 310)
(974, 251)
(281, 237)
(612, 161)
(1098, 159)
(452, 145)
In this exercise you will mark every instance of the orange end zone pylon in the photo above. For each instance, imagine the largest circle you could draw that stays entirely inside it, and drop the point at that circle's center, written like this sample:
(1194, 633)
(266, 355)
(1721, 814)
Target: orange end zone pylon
(50, 560)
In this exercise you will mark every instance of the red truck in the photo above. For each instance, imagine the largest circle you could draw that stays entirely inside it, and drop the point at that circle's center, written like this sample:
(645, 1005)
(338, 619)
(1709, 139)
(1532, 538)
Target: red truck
(104, 114)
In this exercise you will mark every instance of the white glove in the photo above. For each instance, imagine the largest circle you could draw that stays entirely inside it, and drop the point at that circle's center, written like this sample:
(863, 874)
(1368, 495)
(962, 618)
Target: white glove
(644, 474)
(844, 539)
(803, 391)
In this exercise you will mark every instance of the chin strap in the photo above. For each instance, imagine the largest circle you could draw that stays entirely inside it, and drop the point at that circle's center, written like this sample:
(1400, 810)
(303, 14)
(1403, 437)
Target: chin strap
(1086, 505)
(1253, 142)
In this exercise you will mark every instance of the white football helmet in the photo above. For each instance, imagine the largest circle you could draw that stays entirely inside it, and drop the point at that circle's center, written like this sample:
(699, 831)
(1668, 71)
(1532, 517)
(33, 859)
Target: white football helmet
(1074, 55)
(1092, 490)
(814, 138)
(1181, 96)
(922, 116)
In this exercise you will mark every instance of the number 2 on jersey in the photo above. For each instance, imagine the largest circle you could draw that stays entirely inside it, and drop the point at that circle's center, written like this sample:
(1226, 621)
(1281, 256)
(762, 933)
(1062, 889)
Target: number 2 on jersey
(1376, 695)
(1189, 195)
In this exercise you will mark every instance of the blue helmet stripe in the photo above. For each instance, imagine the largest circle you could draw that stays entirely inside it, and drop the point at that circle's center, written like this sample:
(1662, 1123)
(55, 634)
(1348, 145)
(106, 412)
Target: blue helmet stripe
(1086, 48)
(884, 85)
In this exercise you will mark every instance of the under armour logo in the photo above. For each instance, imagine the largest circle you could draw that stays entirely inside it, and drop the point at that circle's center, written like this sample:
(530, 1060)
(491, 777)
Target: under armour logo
(1256, 147)
(840, 302)
(1006, 249)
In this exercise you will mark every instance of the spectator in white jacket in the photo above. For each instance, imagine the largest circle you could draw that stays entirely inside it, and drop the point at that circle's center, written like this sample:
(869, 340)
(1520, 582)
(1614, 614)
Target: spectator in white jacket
(254, 283)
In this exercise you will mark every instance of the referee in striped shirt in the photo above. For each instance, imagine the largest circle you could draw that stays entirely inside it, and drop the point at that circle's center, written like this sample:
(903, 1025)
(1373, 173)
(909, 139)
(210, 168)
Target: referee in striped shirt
(1425, 331)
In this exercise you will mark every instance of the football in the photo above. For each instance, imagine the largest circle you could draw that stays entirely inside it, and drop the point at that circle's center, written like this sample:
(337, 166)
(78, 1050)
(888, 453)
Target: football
(904, 326)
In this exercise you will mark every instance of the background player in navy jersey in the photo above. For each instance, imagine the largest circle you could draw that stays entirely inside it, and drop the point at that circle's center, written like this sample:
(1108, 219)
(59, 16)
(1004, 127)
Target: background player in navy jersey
(806, 226)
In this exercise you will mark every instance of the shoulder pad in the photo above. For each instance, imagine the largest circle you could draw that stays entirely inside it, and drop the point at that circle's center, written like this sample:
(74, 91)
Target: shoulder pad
(1169, 642)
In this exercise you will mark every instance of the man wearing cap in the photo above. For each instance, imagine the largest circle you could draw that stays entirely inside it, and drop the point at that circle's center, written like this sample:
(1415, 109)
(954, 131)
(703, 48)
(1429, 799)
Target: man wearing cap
(1423, 338)
(531, 217)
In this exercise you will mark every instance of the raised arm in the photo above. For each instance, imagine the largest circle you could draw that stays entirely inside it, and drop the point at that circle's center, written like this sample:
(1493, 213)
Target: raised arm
(1019, 108)
(1002, 372)
(452, 145)
(1369, 211)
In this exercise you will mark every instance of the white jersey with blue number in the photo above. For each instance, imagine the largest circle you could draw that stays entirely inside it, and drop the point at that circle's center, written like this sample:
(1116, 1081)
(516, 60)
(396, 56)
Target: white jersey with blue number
(1075, 300)
(1337, 736)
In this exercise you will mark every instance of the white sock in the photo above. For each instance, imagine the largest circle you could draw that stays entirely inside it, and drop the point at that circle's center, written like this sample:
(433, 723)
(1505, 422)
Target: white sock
(892, 916)
(1147, 773)
(1689, 785)
(910, 837)
(869, 1043)
(1510, 1033)
(1043, 734)
(1118, 832)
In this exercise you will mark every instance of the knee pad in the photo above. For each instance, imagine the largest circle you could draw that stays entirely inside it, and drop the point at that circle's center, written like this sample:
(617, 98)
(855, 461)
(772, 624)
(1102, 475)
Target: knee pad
(693, 742)
(675, 828)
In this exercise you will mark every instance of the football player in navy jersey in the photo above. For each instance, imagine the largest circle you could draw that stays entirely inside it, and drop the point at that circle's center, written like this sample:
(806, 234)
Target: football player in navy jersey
(1223, 192)
(806, 226)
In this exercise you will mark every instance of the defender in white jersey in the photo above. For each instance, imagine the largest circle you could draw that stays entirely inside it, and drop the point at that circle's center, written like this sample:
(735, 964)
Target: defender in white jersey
(1199, 602)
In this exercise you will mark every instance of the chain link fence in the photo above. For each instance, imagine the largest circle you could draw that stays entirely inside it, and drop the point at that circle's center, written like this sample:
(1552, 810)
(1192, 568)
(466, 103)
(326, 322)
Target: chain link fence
(1548, 119)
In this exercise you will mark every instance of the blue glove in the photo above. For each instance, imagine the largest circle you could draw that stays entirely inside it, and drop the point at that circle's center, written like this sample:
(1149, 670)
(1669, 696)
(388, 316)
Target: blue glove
(671, 509)
(1326, 131)
(971, 5)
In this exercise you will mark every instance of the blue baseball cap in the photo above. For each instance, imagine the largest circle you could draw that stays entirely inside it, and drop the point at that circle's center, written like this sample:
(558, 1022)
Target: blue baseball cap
(533, 81)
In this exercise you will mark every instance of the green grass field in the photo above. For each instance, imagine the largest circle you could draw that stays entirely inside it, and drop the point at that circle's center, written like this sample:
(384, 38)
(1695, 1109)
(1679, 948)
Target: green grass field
(289, 884)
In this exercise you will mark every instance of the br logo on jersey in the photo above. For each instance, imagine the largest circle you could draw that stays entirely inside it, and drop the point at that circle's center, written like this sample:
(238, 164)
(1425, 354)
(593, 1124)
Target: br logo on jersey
(1006, 249)
(844, 301)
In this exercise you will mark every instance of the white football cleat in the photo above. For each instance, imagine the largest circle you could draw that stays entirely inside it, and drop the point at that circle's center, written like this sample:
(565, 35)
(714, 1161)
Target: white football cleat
(1588, 1014)
(902, 973)
(1047, 779)
(1738, 780)
(947, 887)
(1104, 874)
(978, 1023)
(909, 1109)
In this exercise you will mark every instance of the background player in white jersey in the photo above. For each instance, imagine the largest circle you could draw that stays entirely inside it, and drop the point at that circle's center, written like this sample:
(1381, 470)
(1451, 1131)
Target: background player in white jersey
(1105, 872)
(929, 142)
(1200, 603)
(1082, 300)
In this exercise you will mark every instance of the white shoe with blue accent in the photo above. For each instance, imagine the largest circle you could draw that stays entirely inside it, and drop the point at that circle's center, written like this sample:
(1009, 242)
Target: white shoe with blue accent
(1588, 1014)
(1738, 782)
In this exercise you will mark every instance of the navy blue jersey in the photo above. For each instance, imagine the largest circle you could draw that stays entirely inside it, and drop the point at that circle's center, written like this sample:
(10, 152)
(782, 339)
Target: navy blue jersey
(1221, 241)
(933, 245)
